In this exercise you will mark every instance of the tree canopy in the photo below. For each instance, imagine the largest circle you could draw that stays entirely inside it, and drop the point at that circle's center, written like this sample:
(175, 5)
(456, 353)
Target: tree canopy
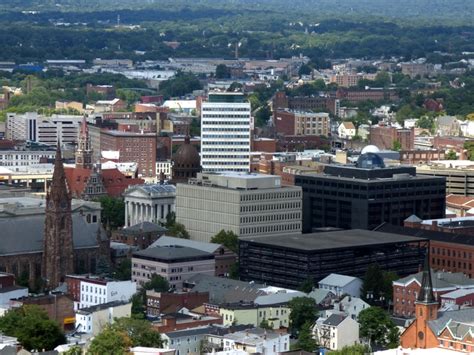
(303, 310)
(31, 325)
(110, 341)
(376, 326)
(228, 239)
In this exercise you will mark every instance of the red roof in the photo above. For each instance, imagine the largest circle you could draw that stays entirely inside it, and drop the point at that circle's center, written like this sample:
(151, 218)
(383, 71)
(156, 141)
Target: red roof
(114, 181)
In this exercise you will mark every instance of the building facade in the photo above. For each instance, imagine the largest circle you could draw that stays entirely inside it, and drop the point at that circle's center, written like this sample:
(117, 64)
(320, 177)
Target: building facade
(41, 129)
(246, 204)
(174, 263)
(301, 123)
(92, 320)
(226, 124)
(290, 260)
(368, 194)
(90, 291)
(20, 160)
(149, 203)
(133, 147)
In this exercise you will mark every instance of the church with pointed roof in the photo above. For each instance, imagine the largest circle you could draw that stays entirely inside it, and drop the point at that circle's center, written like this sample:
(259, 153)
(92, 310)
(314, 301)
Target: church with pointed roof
(433, 328)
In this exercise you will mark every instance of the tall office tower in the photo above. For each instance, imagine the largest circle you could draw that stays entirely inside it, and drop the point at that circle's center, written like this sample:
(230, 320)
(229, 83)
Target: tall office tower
(225, 133)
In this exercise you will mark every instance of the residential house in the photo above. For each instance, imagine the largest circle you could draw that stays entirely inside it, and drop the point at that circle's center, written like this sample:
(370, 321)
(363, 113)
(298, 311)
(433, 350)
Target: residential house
(277, 316)
(341, 284)
(460, 298)
(351, 306)
(184, 319)
(346, 130)
(257, 341)
(92, 320)
(158, 303)
(323, 298)
(336, 331)
(188, 341)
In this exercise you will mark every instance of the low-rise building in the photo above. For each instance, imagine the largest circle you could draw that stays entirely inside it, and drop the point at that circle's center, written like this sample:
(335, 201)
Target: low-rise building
(158, 303)
(184, 320)
(89, 291)
(336, 331)
(461, 298)
(175, 263)
(301, 123)
(225, 258)
(341, 284)
(140, 235)
(351, 306)
(257, 341)
(92, 320)
(276, 316)
(406, 290)
(346, 130)
(149, 203)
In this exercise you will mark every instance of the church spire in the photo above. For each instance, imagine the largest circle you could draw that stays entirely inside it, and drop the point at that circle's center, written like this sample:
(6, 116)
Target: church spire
(84, 149)
(58, 190)
(426, 292)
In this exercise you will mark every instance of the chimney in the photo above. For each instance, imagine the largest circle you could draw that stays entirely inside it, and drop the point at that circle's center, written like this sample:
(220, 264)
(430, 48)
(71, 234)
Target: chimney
(169, 321)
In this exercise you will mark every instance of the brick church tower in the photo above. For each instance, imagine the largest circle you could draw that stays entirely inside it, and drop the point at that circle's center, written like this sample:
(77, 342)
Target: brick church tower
(58, 250)
(84, 148)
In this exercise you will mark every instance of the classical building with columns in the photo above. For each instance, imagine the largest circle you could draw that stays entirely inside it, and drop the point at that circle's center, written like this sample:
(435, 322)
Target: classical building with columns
(149, 203)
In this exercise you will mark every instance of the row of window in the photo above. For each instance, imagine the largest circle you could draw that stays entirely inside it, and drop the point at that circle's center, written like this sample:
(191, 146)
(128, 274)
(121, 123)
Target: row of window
(215, 136)
(271, 228)
(270, 207)
(226, 156)
(270, 195)
(223, 115)
(225, 129)
(447, 263)
(99, 290)
(224, 123)
(268, 218)
(225, 109)
(236, 163)
(91, 299)
(246, 143)
(225, 150)
(448, 252)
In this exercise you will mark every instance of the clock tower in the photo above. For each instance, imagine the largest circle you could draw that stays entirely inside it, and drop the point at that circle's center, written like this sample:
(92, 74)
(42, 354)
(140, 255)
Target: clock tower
(58, 250)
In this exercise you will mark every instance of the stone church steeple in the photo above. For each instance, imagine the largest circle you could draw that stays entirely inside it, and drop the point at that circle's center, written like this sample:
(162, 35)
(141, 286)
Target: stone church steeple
(58, 250)
(84, 148)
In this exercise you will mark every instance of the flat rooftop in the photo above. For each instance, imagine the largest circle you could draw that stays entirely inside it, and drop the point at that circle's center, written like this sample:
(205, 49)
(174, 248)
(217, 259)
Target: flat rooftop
(332, 240)
(172, 253)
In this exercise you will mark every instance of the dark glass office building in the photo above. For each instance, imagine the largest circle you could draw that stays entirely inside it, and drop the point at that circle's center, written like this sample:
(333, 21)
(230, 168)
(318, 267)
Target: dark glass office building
(290, 260)
(365, 195)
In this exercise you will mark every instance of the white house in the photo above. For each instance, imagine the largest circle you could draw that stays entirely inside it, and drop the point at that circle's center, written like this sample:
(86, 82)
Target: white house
(341, 284)
(351, 306)
(346, 130)
(187, 341)
(257, 340)
(95, 290)
(93, 319)
(336, 331)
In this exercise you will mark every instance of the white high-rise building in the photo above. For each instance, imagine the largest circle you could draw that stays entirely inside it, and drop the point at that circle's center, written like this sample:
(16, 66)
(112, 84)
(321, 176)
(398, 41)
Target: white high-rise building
(225, 133)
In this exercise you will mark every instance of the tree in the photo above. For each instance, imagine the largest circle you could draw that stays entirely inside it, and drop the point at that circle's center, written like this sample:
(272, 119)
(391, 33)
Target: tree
(306, 341)
(469, 146)
(305, 69)
(113, 211)
(357, 349)
(139, 331)
(110, 342)
(378, 328)
(405, 112)
(31, 325)
(170, 219)
(382, 79)
(303, 310)
(234, 271)
(74, 350)
(265, 325)
(157, 283)
(397, 146)
(222, 71)
(307, 286)
(228, 239)
(426, 122)
(123, 270)
(178, 230)
(451, 155)
(262, 115)
(377, 285)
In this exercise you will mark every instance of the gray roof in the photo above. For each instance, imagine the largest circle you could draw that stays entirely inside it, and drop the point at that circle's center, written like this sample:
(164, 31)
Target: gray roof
(167, 241)
(338, 280)
(413, 219)
(98, 307)
(278, 298)
(152, 189)
(172, 253)
(331, 240)
(318, 294)
(465, 316)
(25, 234)
(143, 227)
(335, 319)
(190, 332)
(441, 279)
(222, 290)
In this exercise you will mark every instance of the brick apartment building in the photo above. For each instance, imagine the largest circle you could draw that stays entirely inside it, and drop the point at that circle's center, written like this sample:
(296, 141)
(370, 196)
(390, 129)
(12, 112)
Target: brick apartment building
(158, 303)
(407, 289)
(133, 147)
(384, 137)
(296, 123)
(453, 252)
(305, 103)
(354, 96)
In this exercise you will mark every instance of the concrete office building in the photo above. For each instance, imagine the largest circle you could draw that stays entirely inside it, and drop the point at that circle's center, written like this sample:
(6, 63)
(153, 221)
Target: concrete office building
(225, 133)
(367, 194)
(20, 160)
(174, 263)
(246, 204)
(46, 130)
(148, 203)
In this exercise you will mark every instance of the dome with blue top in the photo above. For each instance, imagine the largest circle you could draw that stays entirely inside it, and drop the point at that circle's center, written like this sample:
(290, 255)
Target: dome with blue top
(370, 161)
